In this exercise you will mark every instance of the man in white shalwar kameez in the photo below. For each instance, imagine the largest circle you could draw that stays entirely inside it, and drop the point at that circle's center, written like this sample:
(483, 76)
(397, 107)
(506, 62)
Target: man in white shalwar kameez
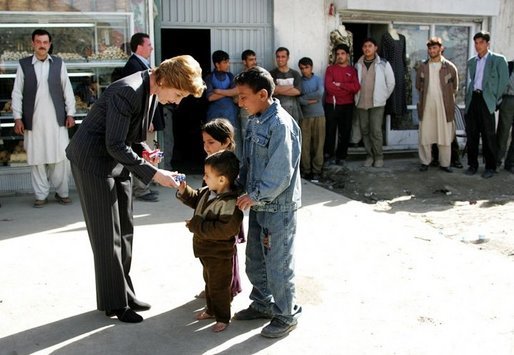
(43, 111)
(437, 80)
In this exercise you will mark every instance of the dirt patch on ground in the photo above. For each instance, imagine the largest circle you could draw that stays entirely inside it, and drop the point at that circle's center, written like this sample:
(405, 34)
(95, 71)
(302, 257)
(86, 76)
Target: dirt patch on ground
(468, 208)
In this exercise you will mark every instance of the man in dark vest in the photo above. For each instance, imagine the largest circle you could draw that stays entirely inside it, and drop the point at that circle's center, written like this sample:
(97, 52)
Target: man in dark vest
(43, 106)
(141, 48)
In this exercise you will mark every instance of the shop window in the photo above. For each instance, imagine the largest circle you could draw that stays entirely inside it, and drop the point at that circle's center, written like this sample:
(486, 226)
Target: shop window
(456, 40)
(416, 37)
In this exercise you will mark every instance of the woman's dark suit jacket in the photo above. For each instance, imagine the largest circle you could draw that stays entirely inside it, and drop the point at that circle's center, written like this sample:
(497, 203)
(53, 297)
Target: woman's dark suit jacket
(102, 144)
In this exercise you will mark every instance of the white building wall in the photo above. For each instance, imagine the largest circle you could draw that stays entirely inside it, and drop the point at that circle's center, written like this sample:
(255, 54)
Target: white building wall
(504, 33)
(303, 26)
(453, 7)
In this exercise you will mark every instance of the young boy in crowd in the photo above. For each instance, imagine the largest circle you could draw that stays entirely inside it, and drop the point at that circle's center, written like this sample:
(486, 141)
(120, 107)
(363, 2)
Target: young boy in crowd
(215, 222)
(220, 85)
(312, 123)
(270, 173)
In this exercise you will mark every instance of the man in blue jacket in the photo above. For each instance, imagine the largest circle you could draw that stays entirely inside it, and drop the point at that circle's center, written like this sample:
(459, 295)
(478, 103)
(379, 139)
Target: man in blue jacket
(489, 75)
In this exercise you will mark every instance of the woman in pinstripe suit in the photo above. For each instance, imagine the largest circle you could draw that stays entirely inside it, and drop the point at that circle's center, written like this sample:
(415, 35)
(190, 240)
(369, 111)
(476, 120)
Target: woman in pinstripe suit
(102, 159)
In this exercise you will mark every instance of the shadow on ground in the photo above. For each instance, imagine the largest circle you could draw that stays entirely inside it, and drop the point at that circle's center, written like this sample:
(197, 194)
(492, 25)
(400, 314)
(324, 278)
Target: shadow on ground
(402, 187)
(161, 334)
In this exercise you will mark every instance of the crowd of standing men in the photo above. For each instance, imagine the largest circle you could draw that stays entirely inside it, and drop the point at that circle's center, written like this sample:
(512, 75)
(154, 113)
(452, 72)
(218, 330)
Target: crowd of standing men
(325, 109)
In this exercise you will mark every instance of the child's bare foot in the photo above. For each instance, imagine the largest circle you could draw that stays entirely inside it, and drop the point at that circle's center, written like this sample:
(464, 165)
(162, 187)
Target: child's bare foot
(219, 327)
(203, 315)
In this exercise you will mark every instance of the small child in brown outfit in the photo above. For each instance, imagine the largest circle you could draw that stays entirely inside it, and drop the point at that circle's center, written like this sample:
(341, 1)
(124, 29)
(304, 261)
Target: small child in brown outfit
(215, 222)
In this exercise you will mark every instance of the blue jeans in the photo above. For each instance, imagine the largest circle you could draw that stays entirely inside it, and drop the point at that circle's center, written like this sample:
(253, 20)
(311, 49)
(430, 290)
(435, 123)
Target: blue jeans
(270, 268)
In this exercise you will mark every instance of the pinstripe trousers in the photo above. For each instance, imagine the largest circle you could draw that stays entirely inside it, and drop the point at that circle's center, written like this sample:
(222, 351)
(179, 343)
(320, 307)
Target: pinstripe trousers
(107, 207)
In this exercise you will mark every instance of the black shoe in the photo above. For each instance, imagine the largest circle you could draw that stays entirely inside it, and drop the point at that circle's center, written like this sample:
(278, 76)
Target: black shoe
(135, 305)
(251, 314)
(456, 164)
(488, 173)
(306, 176)
(138, 305)
(446, 169)
(470, 171)
(278, 328)
(423, 167)
(127, 315)
(148, 198)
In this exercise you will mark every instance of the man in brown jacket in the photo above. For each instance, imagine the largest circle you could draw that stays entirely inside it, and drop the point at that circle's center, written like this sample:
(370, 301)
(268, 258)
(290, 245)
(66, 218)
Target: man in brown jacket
(437, 81)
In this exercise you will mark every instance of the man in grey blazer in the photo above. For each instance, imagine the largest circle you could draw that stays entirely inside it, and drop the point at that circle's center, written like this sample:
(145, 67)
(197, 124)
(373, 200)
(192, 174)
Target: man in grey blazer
(489, 76)
(102, 162)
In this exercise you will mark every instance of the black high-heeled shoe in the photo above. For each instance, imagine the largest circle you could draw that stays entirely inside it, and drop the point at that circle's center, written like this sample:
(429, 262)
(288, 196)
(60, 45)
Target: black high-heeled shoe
(126, 315)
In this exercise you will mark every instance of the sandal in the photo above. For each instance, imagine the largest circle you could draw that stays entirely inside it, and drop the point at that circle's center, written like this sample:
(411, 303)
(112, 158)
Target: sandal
(202, 315)
(219, 327)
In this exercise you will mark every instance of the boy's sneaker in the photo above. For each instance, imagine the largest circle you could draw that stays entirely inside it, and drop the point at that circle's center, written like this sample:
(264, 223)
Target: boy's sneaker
(315, 178)
(278, 328)
(251, 314)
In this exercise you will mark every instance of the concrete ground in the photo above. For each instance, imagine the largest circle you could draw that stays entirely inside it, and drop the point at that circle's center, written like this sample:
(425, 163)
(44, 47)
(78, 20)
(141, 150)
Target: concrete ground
(369, 282)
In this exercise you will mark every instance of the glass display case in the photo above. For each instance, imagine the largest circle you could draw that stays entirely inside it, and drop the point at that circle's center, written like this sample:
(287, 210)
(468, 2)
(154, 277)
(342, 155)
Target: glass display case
(92, 45)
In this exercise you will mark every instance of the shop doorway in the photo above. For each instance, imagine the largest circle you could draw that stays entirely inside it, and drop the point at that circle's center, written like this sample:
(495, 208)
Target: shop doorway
(359, 32)
(187, 118)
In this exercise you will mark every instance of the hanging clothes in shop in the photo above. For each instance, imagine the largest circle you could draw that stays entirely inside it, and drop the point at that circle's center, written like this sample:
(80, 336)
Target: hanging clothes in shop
(340, 36)
(394, 51)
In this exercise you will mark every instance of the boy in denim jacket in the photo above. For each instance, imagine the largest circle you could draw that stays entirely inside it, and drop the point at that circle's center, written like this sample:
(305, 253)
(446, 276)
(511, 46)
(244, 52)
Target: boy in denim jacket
(270, 174)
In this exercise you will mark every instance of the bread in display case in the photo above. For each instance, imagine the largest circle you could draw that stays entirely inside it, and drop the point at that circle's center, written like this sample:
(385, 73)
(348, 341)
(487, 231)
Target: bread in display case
(66, 5)
(87, 37)
(92, 45)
